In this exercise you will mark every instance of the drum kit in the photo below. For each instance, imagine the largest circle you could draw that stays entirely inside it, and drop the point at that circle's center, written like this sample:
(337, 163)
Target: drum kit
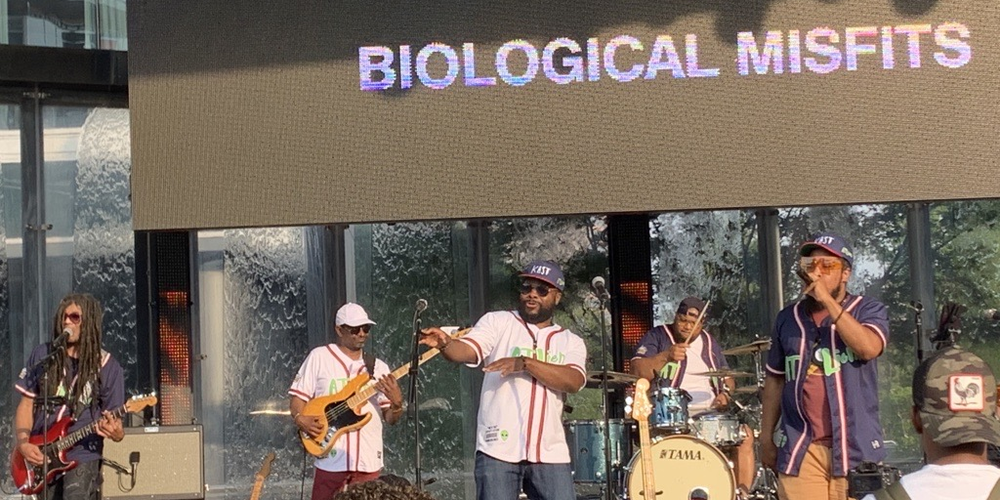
(688, 451)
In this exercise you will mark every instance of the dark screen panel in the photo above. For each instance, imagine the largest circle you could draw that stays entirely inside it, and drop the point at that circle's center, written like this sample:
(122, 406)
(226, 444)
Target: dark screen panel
(302, 112)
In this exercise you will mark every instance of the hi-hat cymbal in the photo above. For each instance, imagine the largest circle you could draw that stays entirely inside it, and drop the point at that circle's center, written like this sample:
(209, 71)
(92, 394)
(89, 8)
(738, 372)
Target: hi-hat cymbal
(616, 380)
(750, 389)
(725, 373)
(751, 348)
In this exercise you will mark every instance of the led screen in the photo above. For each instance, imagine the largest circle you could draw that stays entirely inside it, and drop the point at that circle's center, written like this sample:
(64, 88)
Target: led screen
(304, 112)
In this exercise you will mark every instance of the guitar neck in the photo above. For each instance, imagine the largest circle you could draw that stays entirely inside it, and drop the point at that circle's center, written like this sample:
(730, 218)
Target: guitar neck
(74, 437)
(258, 486)
(648, 487)
(369, 389)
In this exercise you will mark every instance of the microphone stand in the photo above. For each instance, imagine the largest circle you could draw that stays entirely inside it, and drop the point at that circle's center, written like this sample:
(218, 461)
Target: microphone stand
(414, 413)
(603, 299)
(918, 321)
(44, 362)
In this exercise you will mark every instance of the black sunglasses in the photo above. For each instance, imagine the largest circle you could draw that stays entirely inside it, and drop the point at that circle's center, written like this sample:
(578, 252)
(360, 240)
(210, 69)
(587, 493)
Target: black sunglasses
(542, 289)
(354, 330)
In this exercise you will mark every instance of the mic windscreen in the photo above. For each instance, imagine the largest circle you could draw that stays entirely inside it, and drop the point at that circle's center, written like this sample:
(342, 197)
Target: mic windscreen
(63, 338)
(421, 305)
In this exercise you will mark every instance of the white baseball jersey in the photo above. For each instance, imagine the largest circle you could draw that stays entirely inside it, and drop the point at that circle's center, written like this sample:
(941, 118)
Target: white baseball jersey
(326, 371)
(519, 418)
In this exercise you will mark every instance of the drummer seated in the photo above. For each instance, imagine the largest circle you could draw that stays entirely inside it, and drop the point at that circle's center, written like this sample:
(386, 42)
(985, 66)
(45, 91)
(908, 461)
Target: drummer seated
(678, 356)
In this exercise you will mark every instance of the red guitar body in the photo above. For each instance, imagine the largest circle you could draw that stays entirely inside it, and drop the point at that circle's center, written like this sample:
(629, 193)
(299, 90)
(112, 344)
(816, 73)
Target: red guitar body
(27, 477)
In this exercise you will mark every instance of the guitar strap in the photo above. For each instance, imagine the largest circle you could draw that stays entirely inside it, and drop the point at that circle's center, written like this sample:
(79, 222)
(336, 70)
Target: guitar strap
(369, 363)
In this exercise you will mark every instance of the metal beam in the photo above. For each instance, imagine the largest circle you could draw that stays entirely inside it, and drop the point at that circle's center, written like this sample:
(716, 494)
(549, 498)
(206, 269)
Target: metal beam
(33, 220)
(53, 67)
(769, 251)
(918, 232)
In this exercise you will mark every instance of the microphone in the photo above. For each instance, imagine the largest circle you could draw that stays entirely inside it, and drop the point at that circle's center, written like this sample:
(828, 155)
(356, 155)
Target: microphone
(991, 315)
(62, 339)
(421, 305)
(599, 288)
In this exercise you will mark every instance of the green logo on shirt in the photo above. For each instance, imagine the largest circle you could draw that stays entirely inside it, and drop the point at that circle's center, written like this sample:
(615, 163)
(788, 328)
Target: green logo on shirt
(539, 353)
(504, 435)
(831, 361)
(670, 370)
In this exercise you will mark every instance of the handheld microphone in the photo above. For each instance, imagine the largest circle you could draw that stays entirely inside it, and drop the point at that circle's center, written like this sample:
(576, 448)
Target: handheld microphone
(421, 305)
(600, 289)
(63, 338)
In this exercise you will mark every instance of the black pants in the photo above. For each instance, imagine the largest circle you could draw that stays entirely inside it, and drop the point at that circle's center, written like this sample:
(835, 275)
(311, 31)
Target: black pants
(81, 483)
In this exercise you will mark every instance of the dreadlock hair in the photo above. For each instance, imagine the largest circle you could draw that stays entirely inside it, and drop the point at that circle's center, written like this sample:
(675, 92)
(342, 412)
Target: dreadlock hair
(88, 349)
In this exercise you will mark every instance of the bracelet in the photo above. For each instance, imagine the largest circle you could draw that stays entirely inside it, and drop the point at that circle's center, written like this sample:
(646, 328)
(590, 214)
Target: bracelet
(522, 361)
(445, 346)
(295, 418)
(842, 311)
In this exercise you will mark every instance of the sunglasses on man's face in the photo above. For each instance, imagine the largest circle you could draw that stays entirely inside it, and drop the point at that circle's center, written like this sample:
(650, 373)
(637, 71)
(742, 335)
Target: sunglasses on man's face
(542, 289)
(354, 330)
(824, 263)
(73, 317)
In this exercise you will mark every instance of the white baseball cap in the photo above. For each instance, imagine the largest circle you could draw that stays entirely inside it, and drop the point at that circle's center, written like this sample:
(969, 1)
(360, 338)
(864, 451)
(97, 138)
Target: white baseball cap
(352, 314)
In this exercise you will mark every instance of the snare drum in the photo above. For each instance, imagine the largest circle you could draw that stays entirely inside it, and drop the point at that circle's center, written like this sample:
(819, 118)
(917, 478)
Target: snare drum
(684, 467)
(585, 439)
(719, 429)
(670, 409)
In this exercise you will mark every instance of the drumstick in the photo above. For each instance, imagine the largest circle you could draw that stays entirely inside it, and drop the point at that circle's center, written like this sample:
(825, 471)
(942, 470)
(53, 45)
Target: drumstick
(697, 325)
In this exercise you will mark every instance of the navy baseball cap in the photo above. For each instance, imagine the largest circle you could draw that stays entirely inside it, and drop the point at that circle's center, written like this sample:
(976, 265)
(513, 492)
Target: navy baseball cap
(547, 271)
(691, 303)
(831, 243)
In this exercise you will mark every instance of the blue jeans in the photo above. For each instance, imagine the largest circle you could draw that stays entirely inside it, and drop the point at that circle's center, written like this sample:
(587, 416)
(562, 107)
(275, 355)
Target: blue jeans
(499, 480)
(80, 483)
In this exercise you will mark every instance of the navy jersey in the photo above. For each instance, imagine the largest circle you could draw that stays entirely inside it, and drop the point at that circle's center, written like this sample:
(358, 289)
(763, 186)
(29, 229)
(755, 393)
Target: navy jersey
(110, 396)
(661, 338)
(851, 384)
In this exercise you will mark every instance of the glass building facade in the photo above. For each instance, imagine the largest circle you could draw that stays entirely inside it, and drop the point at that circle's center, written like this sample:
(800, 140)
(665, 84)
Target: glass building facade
(263, 297)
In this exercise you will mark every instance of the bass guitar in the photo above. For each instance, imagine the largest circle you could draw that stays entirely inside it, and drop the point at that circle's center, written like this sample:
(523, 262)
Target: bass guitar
(641, 408)
(54, 444)
(340, 413)
(258, 483)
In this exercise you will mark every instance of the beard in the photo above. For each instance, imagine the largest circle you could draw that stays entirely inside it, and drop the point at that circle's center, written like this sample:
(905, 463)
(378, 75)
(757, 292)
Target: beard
(544, 314)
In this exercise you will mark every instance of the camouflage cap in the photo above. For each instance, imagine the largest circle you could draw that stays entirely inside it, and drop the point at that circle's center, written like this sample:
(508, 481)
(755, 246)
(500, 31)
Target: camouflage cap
(955, 392)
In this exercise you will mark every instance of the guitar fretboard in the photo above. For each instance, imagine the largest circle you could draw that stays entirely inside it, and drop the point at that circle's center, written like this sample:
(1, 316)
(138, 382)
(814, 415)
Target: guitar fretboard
(369, 388)
(74, 437)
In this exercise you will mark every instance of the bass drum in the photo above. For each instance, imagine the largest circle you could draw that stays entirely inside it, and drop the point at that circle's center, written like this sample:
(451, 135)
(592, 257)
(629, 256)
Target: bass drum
(684, 468)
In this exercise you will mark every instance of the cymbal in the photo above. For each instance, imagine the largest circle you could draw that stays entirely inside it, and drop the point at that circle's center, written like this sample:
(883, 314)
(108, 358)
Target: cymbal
(751, 348)
(725, 373)
(616, 380)
(750, 389)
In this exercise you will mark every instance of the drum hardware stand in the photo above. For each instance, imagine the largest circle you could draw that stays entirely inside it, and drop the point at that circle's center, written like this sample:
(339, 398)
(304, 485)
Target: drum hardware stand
(765, 483)
(603, 297)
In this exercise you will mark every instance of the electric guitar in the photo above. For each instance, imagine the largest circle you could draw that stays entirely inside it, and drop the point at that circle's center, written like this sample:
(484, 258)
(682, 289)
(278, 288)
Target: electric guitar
(258, 483)
(641, 408)
(54, 444)
(340, 413)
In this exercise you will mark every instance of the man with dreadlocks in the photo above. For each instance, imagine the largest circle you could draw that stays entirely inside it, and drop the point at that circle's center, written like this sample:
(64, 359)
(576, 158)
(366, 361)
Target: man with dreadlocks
(82, 381)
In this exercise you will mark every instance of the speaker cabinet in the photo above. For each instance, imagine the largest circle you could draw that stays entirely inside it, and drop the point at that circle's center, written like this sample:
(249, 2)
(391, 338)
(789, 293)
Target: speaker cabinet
(169, 466)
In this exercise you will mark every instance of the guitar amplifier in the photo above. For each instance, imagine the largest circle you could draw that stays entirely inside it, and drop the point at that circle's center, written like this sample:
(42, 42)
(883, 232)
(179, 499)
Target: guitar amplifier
(167, 462)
